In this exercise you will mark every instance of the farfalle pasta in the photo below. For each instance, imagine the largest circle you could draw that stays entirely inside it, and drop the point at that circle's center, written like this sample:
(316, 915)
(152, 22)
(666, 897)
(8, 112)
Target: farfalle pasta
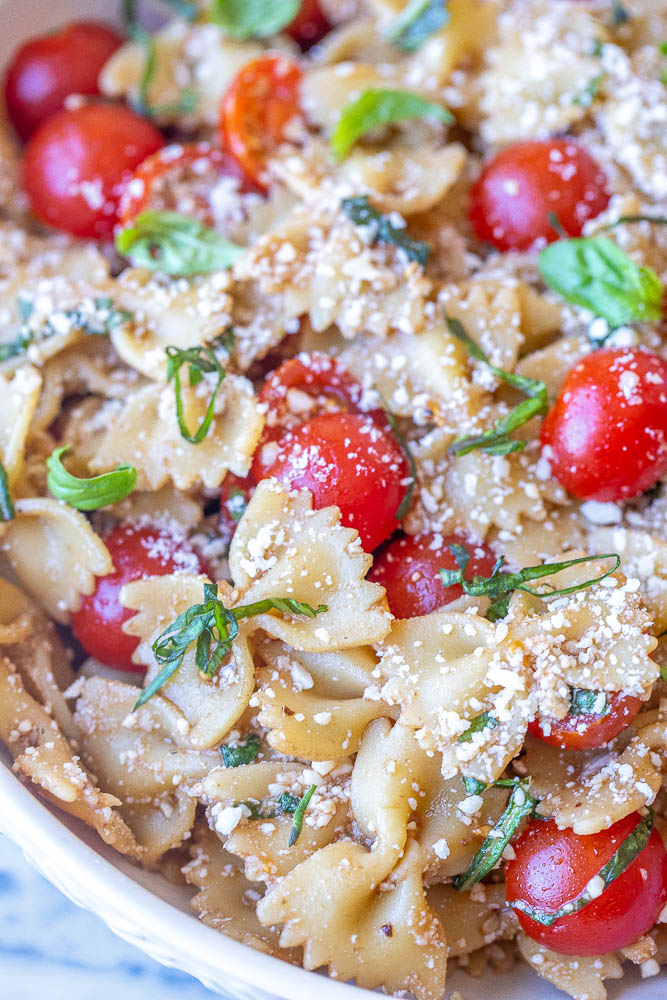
(333, 449)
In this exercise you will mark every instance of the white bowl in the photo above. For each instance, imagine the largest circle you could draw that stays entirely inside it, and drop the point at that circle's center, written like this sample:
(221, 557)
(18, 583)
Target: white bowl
(142, 907)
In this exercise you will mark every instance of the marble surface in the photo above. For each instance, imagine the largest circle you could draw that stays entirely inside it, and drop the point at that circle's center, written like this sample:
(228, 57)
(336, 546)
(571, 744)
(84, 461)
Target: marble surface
(52, 950)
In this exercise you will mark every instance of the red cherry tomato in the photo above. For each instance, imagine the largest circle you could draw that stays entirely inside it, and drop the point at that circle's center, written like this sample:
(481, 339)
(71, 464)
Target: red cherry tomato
(48, 69)
(607, 431)
(309, 26)
(138, 550)
(521, 186)
(585, 732)
(552, 867)
(408, 568)
(256, 110)
(346, 459)
(157, 181)
(235, 494)
(78, 162)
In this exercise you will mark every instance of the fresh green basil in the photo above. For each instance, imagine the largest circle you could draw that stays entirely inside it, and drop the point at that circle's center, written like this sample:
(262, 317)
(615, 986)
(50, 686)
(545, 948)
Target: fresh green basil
(474, 786)
(416, 24)
(586, 97)
(15, 348)
(657, 220)
(136, 31)
(245, 753)
(7, 511)
(299, 814)
(595, 273)
(406, 502)
(200, 361)
(361, 213)
(176, 245)
(478, 725)
(88, 494)
(376, 108)
(253, 18)
(583, 702)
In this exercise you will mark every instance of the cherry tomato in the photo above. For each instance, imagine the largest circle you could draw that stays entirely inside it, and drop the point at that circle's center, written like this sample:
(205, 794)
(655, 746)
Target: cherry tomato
(235, 494)
(257, 108)
(78, 162)
(346, 459)
(159, 180)
(585, 732)
(552, 867)
(138, 550)
(521, 186)
(607, 431)
(48, 69)
(309, 26)
(408, 568)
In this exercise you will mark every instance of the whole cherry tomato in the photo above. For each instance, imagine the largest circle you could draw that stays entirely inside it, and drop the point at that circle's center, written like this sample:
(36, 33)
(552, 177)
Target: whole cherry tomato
(587, 731)
(47, 69)
(256, 110)
(138, 550)
(518, 193)
(552, 867)
(78, 162)
(607, 431)
(408, 568)
(348, 460)
(309, 26)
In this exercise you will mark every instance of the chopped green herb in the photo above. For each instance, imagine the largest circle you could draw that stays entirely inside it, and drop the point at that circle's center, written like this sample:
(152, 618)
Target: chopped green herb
(299, 814)
(473, 786)
(657, 220)
(236, 504)
(497, 441)
(285, 804)
(245, 753)
(477, 725)
(100, 320)
(619, 14)
(416, 24)
(253, 18)
(663, 50)
(176, 245)
(14, 348)
(88, 494)
(360, 212)
(584, 702)
(406, 502)
(663, 666)
(6, 506)
(201, 361)
(375, 108)
(590, 91)
(225, 340)
(136, 31)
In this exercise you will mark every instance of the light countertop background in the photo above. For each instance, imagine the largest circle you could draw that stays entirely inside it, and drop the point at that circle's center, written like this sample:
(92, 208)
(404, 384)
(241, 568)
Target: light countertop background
(52, 950)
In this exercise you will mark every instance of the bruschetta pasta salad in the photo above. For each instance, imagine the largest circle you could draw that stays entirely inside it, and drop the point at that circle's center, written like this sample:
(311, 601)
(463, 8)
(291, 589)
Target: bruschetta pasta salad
(333, 430)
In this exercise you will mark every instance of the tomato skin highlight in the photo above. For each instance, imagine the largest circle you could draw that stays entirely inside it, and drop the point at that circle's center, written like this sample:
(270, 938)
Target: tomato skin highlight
(47, 69)
(607, 431)
(138, 550)
(309, 26)
(256, 110)
(408, 568)
(77, 164)
(519, 188)
(552, 867)
(346, 459)
(585, 732)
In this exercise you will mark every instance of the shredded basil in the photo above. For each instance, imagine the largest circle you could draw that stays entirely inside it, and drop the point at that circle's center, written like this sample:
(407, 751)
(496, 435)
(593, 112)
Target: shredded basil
(201, 361)
(286, 803)
(243, 754)
(360, 212)
(136, 31)
(213, 628)
(583, 702)
(497, 440)
(500, 586)
(88, 494)
(406, 502)
(6, 506)
(299, 814)
(663, 667)
(376, 108)
(657, 220)
(419, 20)
(595, 273)
(14, 348)
(236, 504)
(477, 725)
(663, 51)
(590, 91)
(473, 786)
(620, 861)
(176, 245)
(253, 18)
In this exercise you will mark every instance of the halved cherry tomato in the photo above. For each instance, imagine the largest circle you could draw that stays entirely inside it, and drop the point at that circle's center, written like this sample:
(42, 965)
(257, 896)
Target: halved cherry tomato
(78, 162)
(348, 460)
(138, 550)
(552, 867)
(157, 181)
(523, 185)
(309, 26)
(408, 568)
(585, 732)
(256, 110)
(235, 494)
(607, 431)
(47, 69)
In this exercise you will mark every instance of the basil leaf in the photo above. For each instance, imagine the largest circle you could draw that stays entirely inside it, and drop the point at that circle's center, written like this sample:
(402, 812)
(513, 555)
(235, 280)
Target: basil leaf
(7, 511)
(375, 108)
(14, 348)
(619, 14)
(286, 803)
(521, 804)
(419, 20)
(657, 220)
(477, 725)
(236, 504)
(497, 440)
(473, 786)
(594, 273)
(663, 668)
(299, 814)
(201, 360)
(620, 861)
(590, 92)
(584, 702)
(88, 494)
(176, 245)
(136, 31)
(406, 502)
(253, 18)
(360, 212)
(243, 754)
